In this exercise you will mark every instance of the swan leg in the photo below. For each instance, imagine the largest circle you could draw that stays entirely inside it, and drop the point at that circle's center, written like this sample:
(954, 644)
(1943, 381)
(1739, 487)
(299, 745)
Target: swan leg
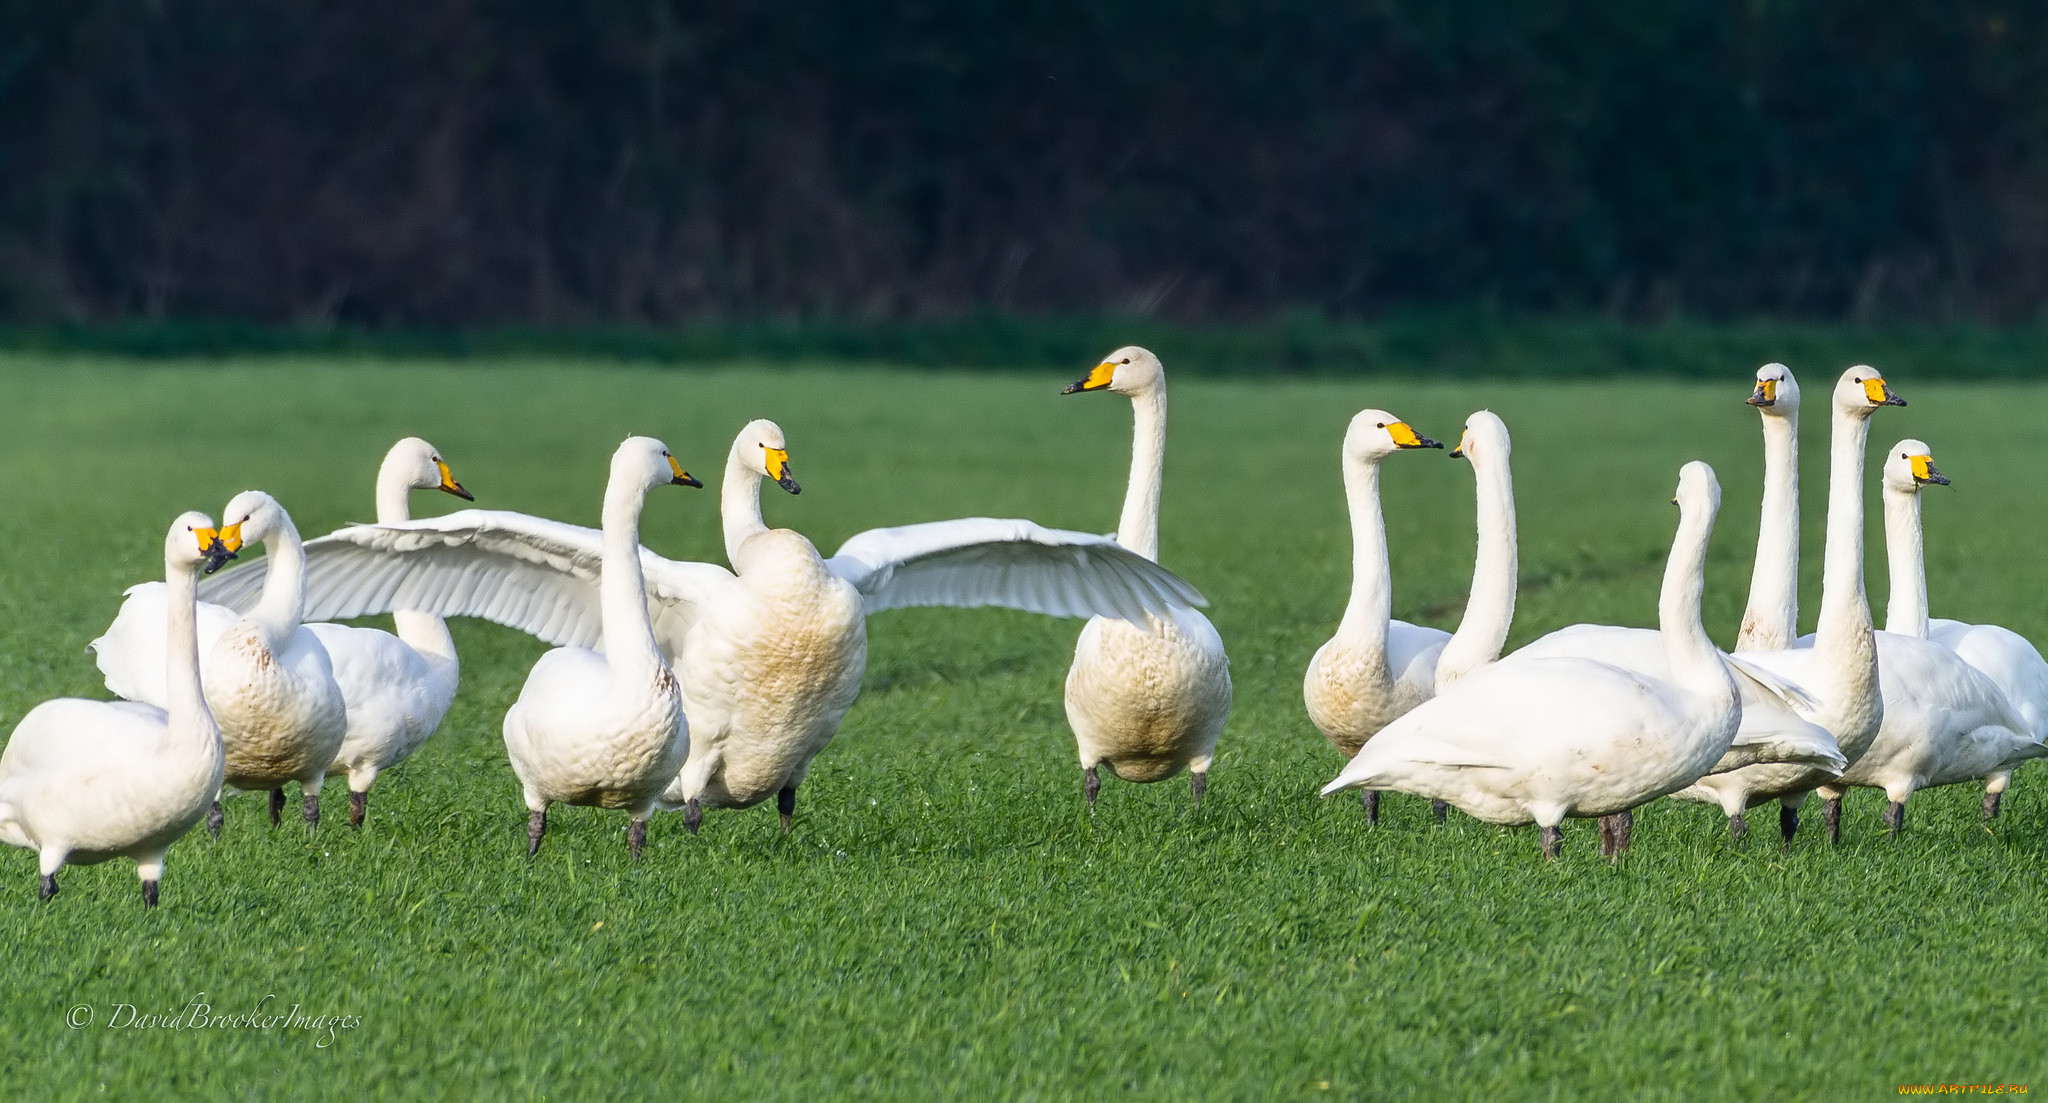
(213, 820)
(1606, 836)
(276, 805)
(150, 869)
(358, 807)
(1895, 817)
(536, 826)
(1624, 830)
(1831, 816)
(149, 894)
(1553, 839)
(1991, 802)
(49, 887)
(1441, 809)
(1738, 827)
(785, 803)
(1091, 784)
(309, 808)
(1370, 798)
(636, 837)
(1788, 823)
(1198, 783)
(693, 814)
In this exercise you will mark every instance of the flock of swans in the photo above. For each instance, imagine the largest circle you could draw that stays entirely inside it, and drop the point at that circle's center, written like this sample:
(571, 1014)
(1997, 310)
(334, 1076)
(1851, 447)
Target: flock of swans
(684, 685)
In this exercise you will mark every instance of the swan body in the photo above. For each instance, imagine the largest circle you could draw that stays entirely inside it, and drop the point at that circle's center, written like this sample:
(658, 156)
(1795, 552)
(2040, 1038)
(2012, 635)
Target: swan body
(1145, 699)
(1542, 739)
(85, 781)
(269, 681)
(606, 730)
(769, 655)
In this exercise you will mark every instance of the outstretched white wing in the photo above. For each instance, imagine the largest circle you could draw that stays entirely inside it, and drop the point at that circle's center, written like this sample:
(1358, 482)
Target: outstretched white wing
(525, 572)
(1016, 564)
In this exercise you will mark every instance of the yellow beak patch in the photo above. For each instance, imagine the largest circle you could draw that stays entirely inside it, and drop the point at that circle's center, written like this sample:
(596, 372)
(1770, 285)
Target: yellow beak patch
(231, 537)
(776, 460)
(1875, 390)
(1924, 472)
(1098, 378)
(206, 537)
(1404, 437)
(1766, 393)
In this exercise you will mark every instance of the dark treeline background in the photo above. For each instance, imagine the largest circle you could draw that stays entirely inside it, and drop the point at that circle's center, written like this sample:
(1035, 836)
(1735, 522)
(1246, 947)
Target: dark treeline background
(391, 163)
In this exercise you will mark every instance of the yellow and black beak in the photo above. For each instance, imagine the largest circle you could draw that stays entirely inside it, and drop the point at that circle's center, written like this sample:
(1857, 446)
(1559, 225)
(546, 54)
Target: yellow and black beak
(1404, 437)
(1880, 395)
(231, 537)
(1458, 453)
(1924, 472)
(217, 554)
(1098, 378)
(449, 485)
(1766, 393)
(777, 462)
(681, 477)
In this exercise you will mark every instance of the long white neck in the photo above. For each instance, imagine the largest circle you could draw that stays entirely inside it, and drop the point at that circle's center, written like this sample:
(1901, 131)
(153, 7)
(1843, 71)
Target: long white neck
(1906, 609)
(1770, 622)
(1694, 659)
(1490, 607)
(283, 605)
(190, 721)
(1138, 529)
(629, 645)
(1844, 609)
(739, 505)
(1364, 627)
(423, 632)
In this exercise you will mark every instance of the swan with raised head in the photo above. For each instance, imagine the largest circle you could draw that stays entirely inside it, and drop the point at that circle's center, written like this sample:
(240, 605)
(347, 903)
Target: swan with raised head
(1770, 620)
(1146, 698)
(84, 781)
(606, 729)
(396, 687)
(769, 657)
(268, 677)
(1376, 668)
(1543, 739)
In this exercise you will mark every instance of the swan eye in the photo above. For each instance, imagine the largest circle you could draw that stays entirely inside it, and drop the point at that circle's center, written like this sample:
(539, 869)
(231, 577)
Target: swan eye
(1125, 360)
(1380, 425)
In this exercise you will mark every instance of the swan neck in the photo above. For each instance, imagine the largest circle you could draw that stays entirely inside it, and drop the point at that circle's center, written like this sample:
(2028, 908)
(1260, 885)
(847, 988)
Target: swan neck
(1138, 529)
(739, 505)
(1906, 608)
(622, 588)
(185, 699)
(1844, 609)
(1364, 627)
(1692, 654)
(1770, 621)
(423, 632)
(1490, 607)
(283, 604)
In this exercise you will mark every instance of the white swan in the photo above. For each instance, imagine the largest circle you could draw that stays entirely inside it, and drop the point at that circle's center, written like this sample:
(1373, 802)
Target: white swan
(1145, 698)
(1945, 721)
(397, 687)
(606, 729)
(1544, 739)
(769, 658)
(85, 781)
(2012, 663)
(268, 678)
(1770, 621)
(1376, 668)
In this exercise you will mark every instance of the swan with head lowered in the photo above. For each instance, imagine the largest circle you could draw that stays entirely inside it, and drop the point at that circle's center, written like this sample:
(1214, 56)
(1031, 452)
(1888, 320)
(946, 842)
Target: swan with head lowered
(1376, 668)
(1945, 721)
(84, 781)
(269, 680)
(770, 654)
(1146, 697)
(397, 687)
(1543, 739)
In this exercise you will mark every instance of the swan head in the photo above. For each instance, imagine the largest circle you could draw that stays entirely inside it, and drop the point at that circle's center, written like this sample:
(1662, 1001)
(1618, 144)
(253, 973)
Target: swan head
(762, 449)
(1698, 490)
(646, 462)
(1776, 391)
(1486, 438)
(1910, 466)
(1376, 434)
(194, 542)
(250, 518)
(1862, 390)
(1127, 371)
(418, 466)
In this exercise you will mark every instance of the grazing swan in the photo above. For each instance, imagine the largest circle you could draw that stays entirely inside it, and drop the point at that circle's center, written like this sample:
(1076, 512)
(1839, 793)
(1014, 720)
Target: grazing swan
(1770, 621)
(397, 687)
(1945, 721)
(769, 657)
(85, 781)
(1376, 668)
(268, 678)
(606, 729)
(1543, 739)
(1145, 698)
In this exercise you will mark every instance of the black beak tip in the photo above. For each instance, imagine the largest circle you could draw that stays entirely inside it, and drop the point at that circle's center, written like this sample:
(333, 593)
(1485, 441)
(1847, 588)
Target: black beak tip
(1892, 400)
(217, 557)
(1757, 400)
(686, 480)
(461, 493)
(1457, 453)
(1075, 388)
(789, 484)
(1425, 442)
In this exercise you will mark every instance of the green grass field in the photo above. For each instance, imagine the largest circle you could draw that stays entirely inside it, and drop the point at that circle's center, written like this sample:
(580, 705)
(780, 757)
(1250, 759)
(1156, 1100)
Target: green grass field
(946, 920)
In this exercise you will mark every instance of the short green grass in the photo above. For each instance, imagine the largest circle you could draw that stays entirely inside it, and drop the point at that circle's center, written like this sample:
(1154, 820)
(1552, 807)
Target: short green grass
(946, 920)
